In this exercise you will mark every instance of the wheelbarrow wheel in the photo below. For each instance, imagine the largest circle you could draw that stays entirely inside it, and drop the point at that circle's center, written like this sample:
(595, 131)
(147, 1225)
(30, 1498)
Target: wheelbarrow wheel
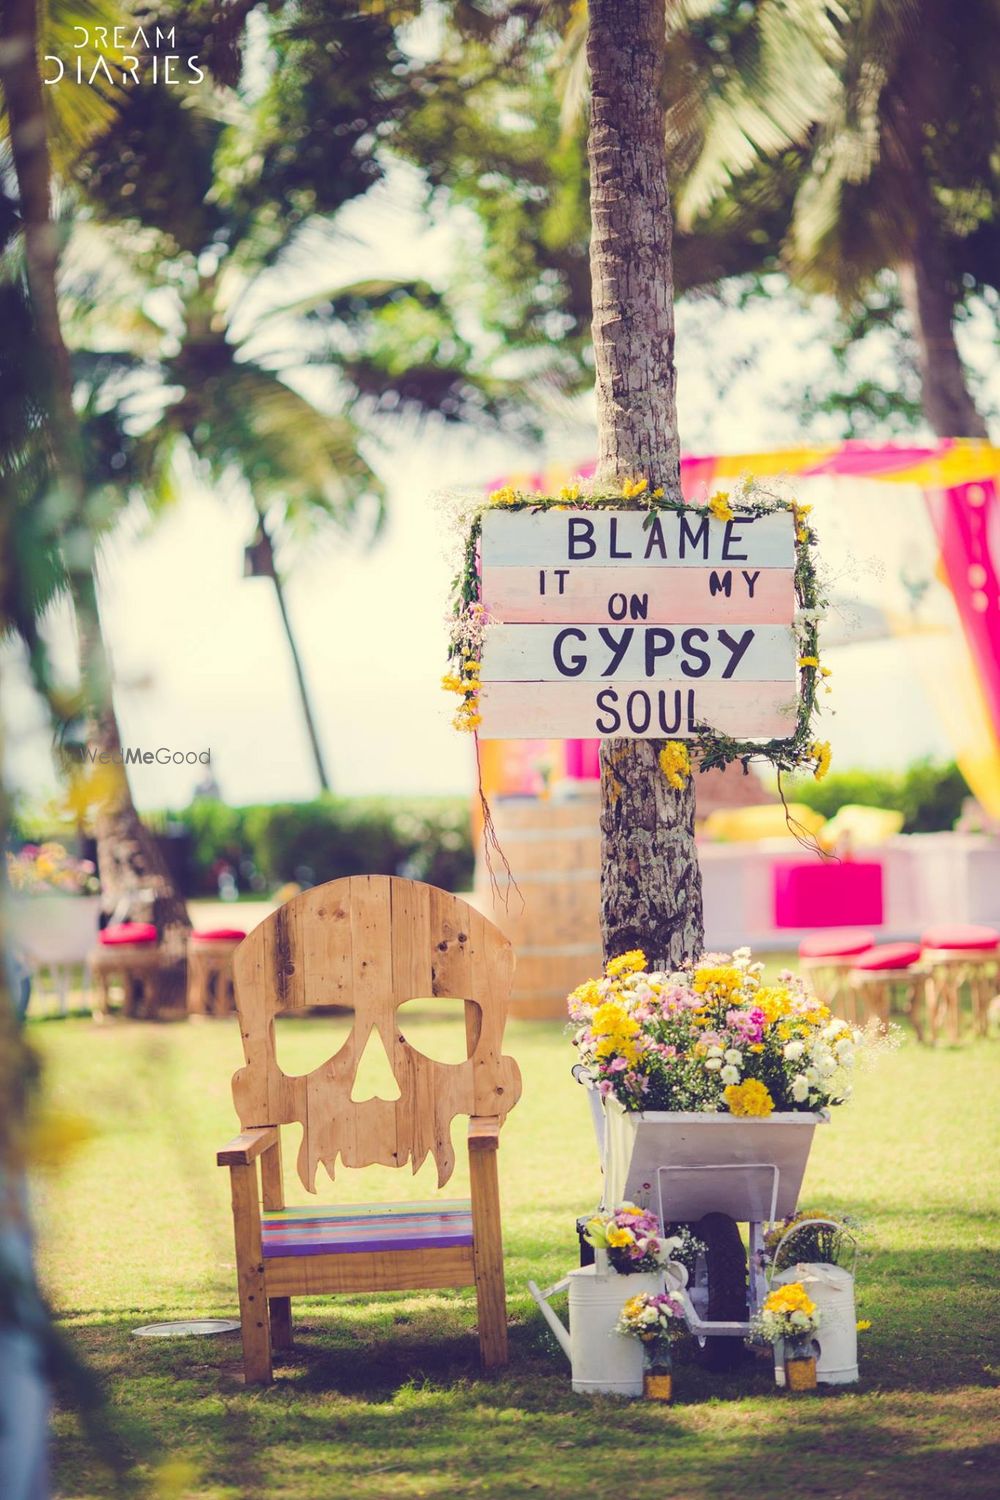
(726, 1266)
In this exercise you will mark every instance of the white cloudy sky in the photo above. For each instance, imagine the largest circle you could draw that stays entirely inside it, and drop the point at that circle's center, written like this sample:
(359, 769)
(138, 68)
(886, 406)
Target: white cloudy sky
(199, 656)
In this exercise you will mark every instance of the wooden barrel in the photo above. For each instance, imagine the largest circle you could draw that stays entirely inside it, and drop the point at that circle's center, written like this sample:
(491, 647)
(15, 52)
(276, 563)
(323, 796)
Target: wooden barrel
(554, 851)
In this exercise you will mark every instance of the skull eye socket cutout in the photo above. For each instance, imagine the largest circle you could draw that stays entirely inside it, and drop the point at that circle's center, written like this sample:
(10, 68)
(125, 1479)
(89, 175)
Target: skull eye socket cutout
(435, 1028)
(305, 1039)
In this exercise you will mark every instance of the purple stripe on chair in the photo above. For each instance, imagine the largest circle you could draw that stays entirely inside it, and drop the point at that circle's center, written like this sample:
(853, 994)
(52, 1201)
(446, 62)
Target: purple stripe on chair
(391, 1227)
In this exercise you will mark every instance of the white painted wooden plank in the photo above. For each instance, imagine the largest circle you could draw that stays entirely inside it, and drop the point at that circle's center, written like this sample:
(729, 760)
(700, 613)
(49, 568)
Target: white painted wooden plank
(737, 653)
(636, 710)
(600, 538)
(670, 596)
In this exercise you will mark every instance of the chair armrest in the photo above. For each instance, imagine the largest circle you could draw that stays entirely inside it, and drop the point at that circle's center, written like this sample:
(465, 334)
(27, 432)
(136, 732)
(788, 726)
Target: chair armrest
(245, 1147)
(484, 1132)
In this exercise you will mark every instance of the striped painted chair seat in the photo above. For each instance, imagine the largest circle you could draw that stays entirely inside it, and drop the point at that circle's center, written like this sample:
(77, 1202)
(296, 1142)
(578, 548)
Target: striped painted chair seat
(366, 1226)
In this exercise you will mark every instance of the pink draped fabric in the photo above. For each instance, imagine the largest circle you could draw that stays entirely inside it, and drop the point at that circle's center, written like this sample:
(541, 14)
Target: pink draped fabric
(966, 519)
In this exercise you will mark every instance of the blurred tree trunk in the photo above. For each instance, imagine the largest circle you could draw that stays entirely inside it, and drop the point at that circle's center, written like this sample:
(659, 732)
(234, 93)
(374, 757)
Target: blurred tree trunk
(930, 300)
(650, 880)
(264, 563)
(134, 876)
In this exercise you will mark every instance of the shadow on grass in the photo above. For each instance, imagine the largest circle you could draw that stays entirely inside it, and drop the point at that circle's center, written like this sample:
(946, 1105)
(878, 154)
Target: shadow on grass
(402, 1409)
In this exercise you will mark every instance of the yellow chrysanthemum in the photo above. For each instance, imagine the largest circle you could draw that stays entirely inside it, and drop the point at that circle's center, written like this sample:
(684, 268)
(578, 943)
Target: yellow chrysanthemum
(808, 661)
(675, 763)
(570, 492)
(723, 981)
(749, 1098)
(505, 496)
(587, 993)
(632, 962)
(720, 507)
(790, 1298)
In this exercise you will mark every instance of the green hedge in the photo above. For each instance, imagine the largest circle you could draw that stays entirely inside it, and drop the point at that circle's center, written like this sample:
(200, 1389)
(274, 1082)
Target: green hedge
(426, 838)
(929, 796)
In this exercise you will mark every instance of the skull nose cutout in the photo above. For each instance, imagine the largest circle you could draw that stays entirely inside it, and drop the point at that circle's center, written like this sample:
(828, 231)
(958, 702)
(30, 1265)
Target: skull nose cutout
(373, 1078)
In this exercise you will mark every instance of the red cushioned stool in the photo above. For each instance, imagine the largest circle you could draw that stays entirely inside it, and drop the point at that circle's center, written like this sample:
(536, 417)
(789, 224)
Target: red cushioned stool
(884, 970)
(826, 960)
(954, 955)
(210, 971)
(128, 955)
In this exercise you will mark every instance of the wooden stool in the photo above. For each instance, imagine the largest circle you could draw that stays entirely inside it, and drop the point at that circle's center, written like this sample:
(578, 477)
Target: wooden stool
(210, 971)
(877, 974)
(129, 952)
(953, 956)
(827, 958)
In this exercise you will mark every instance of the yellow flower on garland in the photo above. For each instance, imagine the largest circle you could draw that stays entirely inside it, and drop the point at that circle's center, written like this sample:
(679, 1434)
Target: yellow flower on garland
(632, 962)
(632, 488)
(570, 492)
(749, 1098)
(808, 661)
(505, 496)
(720, 507)
(822, 754)
(675, 763)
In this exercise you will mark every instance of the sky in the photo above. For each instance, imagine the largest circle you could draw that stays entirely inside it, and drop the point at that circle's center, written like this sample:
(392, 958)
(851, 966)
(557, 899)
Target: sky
(199, 657)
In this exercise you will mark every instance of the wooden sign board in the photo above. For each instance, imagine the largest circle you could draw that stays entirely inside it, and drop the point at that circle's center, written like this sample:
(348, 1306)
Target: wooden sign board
(609, 627)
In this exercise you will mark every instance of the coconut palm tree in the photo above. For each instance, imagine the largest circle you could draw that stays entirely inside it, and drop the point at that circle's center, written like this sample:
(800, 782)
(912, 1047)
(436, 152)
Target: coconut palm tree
(132, 869)
(887, 114)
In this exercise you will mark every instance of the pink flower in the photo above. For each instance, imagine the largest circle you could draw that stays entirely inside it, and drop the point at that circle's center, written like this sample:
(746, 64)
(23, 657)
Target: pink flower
(605, 1087)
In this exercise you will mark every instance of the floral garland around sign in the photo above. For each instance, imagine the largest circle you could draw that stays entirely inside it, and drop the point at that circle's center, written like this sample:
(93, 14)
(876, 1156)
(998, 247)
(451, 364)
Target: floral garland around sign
(469, 621)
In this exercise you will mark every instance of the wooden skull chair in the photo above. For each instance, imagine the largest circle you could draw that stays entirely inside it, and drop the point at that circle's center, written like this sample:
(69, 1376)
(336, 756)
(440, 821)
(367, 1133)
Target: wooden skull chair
(371, 942)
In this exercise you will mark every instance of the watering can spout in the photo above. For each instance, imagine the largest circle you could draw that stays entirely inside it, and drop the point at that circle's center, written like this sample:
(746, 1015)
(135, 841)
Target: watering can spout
(542, 1298)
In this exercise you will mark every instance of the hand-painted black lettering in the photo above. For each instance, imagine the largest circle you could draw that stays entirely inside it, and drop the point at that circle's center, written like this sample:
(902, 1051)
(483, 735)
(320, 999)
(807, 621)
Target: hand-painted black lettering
(606, 700)
(737, 648)
(580, 541)
(658, 643)
(617, 648)
(576, 664)
(701, 659)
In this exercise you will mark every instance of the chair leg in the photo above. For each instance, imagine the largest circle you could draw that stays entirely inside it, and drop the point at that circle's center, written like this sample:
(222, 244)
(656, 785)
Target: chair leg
(487, 1250)
(280, 1310)
(254, 1322)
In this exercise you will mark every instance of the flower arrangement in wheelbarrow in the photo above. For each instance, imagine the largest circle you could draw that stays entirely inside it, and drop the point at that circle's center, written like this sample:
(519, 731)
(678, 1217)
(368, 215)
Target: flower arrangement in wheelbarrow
(712, 1037)
(790, 1316)
(656, 1318)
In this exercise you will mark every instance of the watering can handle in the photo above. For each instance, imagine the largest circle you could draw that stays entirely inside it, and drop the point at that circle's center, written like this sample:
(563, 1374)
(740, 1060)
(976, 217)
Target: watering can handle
(793, 1229)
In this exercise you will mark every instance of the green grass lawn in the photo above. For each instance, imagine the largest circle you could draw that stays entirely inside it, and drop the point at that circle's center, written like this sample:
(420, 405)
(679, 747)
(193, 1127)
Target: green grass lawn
(383, 1397)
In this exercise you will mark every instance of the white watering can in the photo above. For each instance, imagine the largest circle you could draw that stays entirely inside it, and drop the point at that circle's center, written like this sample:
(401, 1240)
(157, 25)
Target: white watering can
(603, 1362)
(832, 1290)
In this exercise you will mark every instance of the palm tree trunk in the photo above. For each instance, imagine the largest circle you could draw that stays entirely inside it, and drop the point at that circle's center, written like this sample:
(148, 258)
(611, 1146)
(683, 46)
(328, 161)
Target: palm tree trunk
(134, 876)
(300, 676)
(650, 880)
(930, 304)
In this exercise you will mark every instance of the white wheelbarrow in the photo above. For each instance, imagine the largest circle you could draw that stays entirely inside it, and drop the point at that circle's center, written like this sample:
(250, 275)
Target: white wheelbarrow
(711, 1168)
